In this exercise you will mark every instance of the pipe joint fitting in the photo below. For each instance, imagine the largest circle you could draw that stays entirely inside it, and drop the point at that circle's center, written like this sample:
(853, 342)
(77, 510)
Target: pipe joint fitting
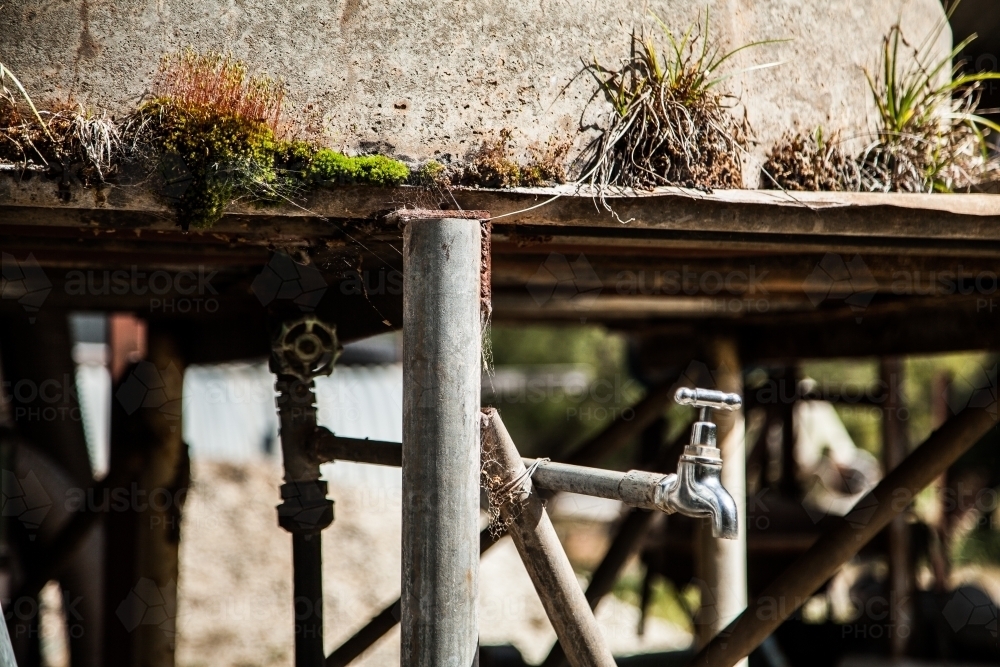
(305, 509)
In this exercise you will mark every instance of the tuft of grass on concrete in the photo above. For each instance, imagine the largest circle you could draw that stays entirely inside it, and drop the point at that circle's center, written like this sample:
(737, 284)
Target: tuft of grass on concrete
(928, 135)
(670, 122)
(810, 162)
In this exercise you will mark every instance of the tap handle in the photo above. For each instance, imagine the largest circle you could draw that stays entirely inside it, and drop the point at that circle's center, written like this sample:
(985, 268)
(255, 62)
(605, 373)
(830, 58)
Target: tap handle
(708, 398)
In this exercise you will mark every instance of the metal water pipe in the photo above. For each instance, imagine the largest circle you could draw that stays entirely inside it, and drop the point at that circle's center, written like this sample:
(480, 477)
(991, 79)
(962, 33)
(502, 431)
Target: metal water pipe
(302, 350)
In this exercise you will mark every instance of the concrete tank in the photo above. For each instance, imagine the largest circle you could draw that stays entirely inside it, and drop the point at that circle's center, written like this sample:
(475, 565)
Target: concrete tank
(421, 78)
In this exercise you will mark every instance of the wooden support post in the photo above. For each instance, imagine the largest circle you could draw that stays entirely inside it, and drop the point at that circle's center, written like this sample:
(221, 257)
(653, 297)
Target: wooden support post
(543, 556)
(142, 546)
(788, 390)
(894, 446)
(441, 394)
(39, 355)
(722, 564)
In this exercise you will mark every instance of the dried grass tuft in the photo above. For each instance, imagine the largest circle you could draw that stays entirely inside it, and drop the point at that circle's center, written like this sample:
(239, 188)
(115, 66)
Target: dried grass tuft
(810, 162)
(492, 165)
(670, 124)
(91, 145)
(928, 138)
(547, 164)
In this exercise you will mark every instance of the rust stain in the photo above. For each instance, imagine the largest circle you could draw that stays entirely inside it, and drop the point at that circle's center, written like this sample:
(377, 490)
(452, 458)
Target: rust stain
(486, 270)
(89, 47)
(350, 9)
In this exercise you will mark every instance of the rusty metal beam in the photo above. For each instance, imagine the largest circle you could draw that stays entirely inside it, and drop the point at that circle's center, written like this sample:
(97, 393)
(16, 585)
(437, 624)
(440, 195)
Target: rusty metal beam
(901, 577)
(627, 541)
(665, 216)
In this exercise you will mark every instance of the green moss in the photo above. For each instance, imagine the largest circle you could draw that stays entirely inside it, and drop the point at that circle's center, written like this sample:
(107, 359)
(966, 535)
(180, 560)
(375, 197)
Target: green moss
(216, 159)
(432, 173)
(212, 159)
(292, 159)
(330, 166)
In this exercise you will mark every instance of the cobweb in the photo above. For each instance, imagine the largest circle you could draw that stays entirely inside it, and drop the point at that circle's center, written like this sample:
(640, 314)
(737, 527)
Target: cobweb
(505, 498)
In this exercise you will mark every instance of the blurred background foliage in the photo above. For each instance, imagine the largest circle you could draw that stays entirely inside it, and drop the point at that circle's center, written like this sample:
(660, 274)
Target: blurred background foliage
(557, 386)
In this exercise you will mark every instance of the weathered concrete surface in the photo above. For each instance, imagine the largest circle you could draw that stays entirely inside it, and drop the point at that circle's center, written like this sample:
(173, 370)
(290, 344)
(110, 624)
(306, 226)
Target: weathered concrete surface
(429, 78)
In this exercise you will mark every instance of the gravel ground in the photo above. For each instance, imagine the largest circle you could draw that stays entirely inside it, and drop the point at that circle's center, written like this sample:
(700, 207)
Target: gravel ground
(234, 606)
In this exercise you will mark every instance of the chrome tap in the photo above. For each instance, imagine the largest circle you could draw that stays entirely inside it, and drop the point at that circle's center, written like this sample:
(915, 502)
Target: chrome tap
(696, 490)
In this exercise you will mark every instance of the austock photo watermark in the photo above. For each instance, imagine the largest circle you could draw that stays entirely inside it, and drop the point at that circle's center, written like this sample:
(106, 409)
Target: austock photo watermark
(148, 606)
(732, 291)
(848, 279)
(165, 292)
(26, 500)
(564, 282)
(185, 291)
(975, 386)
(151, 605)
(574, 283)
(147, 386)
(585, 396)
(286, 279)
(57, 399)
(51, 399)
(24, 615)
(971, 608)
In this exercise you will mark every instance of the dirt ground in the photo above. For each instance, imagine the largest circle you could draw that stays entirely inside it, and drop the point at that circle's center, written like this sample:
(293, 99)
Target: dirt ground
(235, 600)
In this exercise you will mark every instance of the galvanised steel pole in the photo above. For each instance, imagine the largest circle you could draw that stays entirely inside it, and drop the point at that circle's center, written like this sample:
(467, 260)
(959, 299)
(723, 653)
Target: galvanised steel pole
(6, 650)
(441, 396)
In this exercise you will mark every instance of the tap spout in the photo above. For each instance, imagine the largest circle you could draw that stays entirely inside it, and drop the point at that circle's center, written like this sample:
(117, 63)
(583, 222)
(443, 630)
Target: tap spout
(696, 491)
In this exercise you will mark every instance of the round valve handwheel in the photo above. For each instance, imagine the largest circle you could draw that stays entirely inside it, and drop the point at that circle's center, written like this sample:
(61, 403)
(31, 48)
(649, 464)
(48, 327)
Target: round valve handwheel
(305, 348)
